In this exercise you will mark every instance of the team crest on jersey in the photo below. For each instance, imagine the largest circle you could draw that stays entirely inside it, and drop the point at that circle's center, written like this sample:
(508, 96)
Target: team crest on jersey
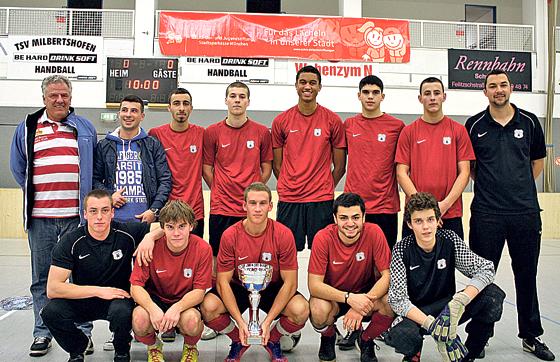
(250, 144)
(266, 256)
(446, 140)
(518, 133)
(360, 256)
(193, 148)
(117, 254)
(381, 137)
(187, 272)
(317, 132)
(441, 264)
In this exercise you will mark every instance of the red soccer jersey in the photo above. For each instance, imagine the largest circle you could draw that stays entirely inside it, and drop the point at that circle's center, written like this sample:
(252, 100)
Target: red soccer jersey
(170, 276)
(349, 268)
(432, 152)
(307, 143)
(371, 172)
(183, 151)
(236, 155)
(276, 247)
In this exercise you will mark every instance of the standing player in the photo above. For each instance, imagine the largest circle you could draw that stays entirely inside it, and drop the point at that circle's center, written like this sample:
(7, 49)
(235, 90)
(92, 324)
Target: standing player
(510, 149)
(423, 286)
(256, 239)
(182, 143)
(52, 161)
(237, 152)
(169, 289)
(435, 136)
(307, 139)
(346, 261)
(372, 139)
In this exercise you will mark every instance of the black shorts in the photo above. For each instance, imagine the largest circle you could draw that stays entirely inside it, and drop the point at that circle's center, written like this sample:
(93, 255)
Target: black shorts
(217, 224)
(388, 223)
(242, 296)
(165, 306)
(199, 229)
(305, 219)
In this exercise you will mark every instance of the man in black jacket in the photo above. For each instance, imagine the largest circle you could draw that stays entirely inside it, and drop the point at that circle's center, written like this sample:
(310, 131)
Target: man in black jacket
(132, 166)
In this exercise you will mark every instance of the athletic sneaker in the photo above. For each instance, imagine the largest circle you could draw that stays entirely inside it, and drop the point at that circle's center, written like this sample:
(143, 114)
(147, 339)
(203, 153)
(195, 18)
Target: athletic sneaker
(108, 345)
(537, 347)
(349, 341)
(190, 353)
(415, 358)
(326, 349)
(367, 350)
(89, 348)
(208, 334)
(76, 357)
(125, 357)
(169, 336)
(40, 346)
(275, 351)
(155, 352)
(235, 352)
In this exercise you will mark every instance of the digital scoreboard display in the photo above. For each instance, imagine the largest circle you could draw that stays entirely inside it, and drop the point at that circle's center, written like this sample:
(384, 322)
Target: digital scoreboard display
(148, 78)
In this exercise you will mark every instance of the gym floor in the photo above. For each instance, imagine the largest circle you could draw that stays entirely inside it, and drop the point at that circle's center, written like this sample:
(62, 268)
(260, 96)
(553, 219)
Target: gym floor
(16, 326)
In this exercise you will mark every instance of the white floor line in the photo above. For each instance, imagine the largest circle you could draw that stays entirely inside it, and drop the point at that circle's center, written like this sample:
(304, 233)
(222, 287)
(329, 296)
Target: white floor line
(7, 314)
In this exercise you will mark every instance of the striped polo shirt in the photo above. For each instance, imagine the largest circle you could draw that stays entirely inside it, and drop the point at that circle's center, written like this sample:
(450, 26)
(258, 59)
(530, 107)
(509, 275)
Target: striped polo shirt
(55, 170)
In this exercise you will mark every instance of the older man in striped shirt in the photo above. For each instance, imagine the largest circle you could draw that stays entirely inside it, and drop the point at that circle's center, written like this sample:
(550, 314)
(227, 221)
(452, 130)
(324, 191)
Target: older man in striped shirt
(51, 159)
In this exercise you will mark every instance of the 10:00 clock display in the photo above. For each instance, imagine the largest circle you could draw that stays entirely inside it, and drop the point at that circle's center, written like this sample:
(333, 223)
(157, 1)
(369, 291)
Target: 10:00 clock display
(149, 78)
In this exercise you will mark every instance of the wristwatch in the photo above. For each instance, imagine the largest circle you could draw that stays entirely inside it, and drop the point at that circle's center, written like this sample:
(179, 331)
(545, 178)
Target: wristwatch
(346, 296)
(155, 211)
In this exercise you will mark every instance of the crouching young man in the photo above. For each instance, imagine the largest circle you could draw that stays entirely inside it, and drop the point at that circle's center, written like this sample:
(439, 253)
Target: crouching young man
(348, 276)
(98, 257)
(423, 288)
(169, 290)
(256, 239)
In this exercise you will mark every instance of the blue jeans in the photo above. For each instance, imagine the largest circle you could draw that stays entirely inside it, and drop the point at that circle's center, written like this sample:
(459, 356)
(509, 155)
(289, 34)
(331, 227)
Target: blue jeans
(43, 234)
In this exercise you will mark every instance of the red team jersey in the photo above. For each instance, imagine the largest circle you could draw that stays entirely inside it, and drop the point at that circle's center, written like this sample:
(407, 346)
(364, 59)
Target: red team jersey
(307, 143)
(236, 155)
(276, 247)
(371, 172)
(183, 151)
(349, 268)
(170, 276)
(432, 152)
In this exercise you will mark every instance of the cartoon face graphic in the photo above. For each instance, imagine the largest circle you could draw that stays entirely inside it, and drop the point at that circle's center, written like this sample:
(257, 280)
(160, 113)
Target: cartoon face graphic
(373, 36)
(393, 38)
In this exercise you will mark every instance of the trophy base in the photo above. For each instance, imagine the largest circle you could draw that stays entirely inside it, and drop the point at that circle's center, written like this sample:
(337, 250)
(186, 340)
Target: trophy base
(253, 340)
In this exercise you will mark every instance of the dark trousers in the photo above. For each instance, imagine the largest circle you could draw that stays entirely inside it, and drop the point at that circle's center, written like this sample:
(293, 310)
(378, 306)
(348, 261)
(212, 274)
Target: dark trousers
(487, 236)
(454, 224)
(482, 313)
(388, 224)
(60, 316)
(305, 219)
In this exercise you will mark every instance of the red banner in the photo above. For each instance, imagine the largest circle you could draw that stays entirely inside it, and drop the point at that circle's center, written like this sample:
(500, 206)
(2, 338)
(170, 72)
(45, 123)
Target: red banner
(278, 36)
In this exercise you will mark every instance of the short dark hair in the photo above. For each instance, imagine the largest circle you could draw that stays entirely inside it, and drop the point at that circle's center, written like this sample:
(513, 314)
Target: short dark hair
(98, 194)
(178, 91)
(421, 201)
(496, 72)
(349, 199)
(432, 80)
(238, 85)
(309, 69)
(371, 80)
(133, 98)
(175, 211)
(257, 186)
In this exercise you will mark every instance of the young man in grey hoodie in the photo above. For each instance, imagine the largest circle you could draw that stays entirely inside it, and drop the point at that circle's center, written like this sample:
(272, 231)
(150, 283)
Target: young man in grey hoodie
(132, 166)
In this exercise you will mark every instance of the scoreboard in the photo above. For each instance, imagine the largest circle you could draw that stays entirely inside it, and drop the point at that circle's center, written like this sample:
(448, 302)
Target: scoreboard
(151, 79)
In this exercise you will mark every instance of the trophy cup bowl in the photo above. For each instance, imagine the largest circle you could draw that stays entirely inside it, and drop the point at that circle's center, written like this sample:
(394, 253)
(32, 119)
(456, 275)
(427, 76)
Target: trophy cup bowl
(254, 277)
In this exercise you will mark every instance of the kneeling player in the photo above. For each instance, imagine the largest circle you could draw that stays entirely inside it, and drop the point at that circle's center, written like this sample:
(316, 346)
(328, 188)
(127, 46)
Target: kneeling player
(170, 288)
(345, 263)
(423, 286)
(256, 239)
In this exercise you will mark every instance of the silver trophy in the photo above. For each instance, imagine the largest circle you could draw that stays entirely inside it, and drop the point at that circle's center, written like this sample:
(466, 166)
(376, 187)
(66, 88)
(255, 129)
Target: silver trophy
(255, 277)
